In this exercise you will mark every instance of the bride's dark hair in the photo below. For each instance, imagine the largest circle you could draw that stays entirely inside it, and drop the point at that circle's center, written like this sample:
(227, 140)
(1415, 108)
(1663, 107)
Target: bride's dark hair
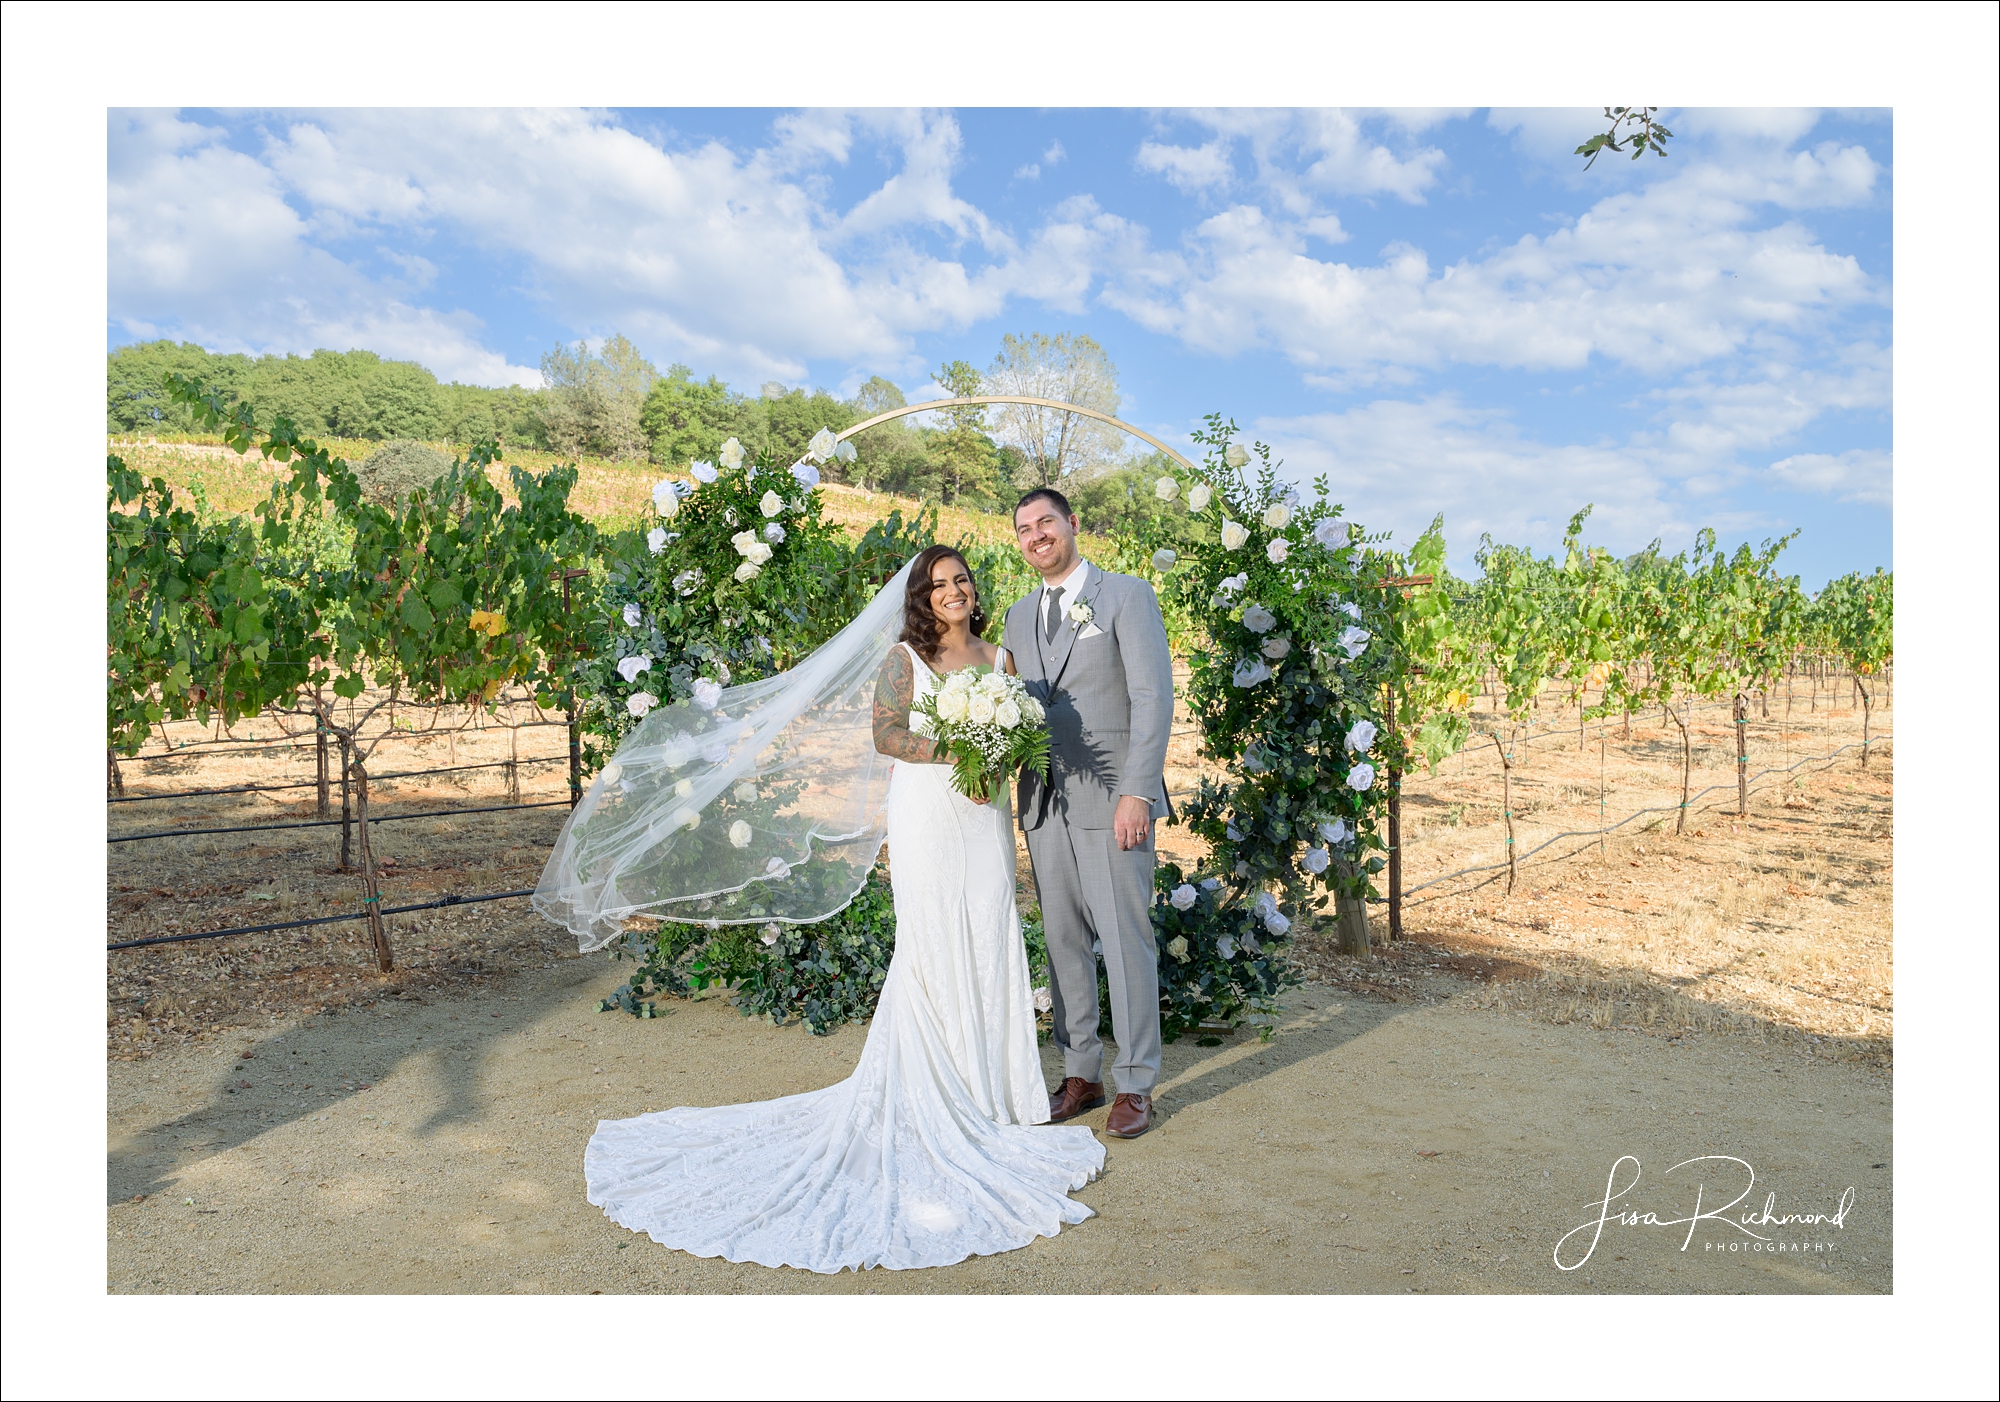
(922, 628)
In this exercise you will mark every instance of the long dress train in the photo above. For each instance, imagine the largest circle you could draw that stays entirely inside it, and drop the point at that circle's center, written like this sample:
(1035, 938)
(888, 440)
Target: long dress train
(937, 1147)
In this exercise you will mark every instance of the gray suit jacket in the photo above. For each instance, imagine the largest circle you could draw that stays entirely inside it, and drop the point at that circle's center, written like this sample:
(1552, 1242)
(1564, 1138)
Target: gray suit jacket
(1110, 702)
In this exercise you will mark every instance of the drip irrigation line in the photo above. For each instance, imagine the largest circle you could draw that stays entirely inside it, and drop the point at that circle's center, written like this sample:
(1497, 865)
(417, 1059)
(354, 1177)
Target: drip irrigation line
(318, 920)
(1499, 867)
(314, 783)
(336, 822)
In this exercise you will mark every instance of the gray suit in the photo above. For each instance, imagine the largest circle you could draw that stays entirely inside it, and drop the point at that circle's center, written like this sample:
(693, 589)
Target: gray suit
(1110, 702)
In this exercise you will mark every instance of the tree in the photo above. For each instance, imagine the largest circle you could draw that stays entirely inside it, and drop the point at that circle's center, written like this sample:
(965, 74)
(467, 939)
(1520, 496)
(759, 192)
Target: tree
(399, 400)
(1054, 443)
(684, 420)
(136, 398)
(893, 456)
(594, 403)
(962, 451)
(1860, 614)
(1646, 135)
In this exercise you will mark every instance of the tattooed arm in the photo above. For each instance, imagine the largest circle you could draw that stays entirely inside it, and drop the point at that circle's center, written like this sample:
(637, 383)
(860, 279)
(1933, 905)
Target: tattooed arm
(895, 688)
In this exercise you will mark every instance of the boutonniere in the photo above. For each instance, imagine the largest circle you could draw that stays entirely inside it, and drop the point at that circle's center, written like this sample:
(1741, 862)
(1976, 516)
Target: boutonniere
(1080, 612)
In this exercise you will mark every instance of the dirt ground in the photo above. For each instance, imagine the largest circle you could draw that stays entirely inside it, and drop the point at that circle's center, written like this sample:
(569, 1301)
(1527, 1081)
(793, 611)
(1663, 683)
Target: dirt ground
(1435, 1118)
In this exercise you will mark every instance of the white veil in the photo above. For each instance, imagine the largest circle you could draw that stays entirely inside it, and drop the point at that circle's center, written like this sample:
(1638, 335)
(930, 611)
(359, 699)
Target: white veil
(762, 803)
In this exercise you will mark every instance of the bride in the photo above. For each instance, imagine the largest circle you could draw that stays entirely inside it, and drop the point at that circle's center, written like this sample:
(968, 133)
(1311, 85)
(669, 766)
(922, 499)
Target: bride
(937, 1147)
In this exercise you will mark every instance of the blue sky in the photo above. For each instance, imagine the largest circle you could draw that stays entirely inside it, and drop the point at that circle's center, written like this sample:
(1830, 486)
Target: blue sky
(1440, 310)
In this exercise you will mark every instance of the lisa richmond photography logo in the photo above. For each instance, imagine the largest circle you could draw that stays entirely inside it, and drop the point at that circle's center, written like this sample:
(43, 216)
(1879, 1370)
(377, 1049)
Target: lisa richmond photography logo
(1695, 1202)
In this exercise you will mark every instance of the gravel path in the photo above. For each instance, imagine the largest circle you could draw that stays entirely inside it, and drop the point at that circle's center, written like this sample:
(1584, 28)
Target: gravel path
(436, 1146)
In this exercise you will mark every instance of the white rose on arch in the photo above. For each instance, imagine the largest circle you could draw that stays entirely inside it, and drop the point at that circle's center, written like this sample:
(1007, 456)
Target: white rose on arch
(1183, 897)
(774, 533)
(1277, 551)
(740, 834)
(1355, 640)
(1233, 536)
(707, 694)
(666, 498)
(1335, 832)
(1328, 533)
(1199, 496)
(1278, 515)
(1249, 673)
(703, 471)
(807, 474)
(630, 667)
(632, 615)
(640, 702)
(1236, 455)
(731, 455)
(1167, 488)
(1361, 778)
(656, 539)
(822, 445)
(1259, 619)
(845, 451)
(745, 542)
(1163, 560)
(748, 571)
(771, 505)
(1277, 649)
(1315, 860)
(1361, 735)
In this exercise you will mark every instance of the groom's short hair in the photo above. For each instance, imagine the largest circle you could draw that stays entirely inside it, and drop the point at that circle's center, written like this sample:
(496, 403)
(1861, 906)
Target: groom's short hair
(1048, 494)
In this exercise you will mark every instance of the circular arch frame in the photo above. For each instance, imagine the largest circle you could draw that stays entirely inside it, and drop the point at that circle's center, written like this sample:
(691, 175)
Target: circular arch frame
(929, 405)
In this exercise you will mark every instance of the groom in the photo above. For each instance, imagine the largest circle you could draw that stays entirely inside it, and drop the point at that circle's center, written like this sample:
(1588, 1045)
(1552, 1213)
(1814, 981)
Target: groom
(1093, 649)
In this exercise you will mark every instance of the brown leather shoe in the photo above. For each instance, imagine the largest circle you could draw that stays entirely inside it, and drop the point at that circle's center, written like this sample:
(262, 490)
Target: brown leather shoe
(1130, 1117)
(1073, 1097)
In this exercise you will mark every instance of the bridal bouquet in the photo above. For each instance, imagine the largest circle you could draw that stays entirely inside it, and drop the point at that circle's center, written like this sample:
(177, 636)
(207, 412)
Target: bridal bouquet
(987, 724)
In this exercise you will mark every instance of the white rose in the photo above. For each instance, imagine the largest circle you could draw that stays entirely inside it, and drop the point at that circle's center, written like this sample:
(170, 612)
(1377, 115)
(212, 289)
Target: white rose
(1044, 1001)
(731, 455)
(640, 702)
(1277, 550)
(1236, 455)
(1166, 489)
(1277, 648)
(777, 866)
(1352, 610)
(770, 935)
(1277, 923)
(1007, 715)
(1258, 619)
(1225, 948)
(1233, 536)
(745, 542)
(1361, 778)
(746, 792)
(1328, 533)
(1199, 496)
(1234, 835)
(993, 682)
(666, 500)
(632, 615)
(740, 834)
(845, 451)
(1355, 640)
(1211, 883)
(707, 694)
(774, 533)
(1361, 736)
(1249, 673)
(747, 571)
(1183, 897)
(771, 504)
(656, 539)
(959, 681)
(1163, 560)
(1034, 709)
(807, 474)
(686, 582)
(683, 787)
(1266, 904)
(1178, 947)
(760, 553)
(632, 666)
(1278, 515)
(822, 445)
(612, 772)
(979, 708)
(951, 705)
(1315, 860)
(703, 471)
(1335, 831)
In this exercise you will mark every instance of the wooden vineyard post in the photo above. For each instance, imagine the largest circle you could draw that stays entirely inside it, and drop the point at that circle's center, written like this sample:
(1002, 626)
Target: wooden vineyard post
(346, 813)
(514, 764)
(114, 781)
(385, 959)
(1742, 757)
(1687, 762)
(1867, 709)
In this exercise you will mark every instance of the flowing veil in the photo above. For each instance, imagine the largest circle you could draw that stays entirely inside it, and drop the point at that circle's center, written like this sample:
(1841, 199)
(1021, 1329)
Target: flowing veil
(755, 803)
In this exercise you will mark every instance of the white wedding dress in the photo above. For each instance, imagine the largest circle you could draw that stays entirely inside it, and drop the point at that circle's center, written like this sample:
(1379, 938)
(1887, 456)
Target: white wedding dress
(937, 1147)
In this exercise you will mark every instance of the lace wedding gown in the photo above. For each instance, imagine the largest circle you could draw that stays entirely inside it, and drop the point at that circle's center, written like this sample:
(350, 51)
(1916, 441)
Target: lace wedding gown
(937, 1147)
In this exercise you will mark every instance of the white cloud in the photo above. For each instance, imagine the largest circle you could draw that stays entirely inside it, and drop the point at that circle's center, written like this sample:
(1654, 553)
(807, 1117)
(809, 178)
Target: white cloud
(1858, 475)
(1055, 155)
(1188, 168)
(1030, 171)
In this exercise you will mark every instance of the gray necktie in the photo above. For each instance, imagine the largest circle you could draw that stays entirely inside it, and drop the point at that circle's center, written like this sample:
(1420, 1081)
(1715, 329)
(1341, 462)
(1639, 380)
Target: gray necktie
(1055, 615)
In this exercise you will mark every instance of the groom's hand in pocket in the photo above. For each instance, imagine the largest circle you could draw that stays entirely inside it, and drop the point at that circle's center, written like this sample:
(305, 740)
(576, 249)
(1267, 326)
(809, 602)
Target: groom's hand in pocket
(1132, 824)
